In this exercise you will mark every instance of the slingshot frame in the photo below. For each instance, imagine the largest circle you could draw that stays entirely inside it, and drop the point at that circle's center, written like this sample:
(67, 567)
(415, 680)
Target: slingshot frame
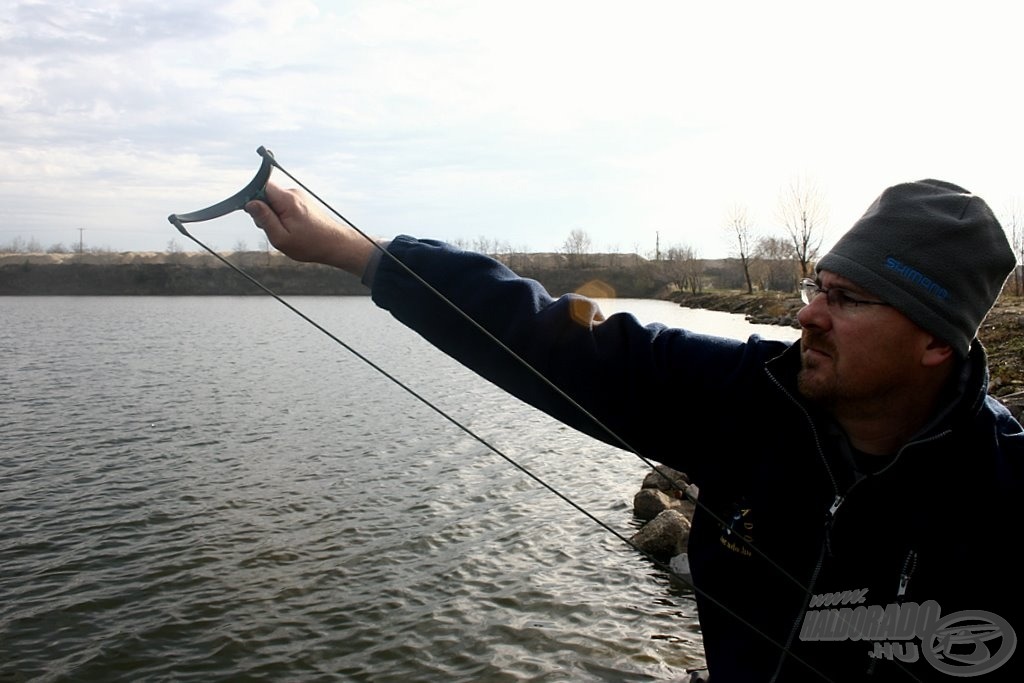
(256, 189)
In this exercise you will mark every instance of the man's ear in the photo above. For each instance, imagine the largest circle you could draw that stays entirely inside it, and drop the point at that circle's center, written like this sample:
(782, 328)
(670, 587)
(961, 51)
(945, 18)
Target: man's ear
(936, 352)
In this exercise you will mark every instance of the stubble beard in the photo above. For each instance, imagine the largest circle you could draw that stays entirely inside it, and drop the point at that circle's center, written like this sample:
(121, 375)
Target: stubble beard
(814, 387)
(816, 380)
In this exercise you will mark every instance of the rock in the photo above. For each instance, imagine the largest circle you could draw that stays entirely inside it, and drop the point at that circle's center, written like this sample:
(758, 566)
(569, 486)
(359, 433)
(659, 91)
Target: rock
(649, 503)
(665, 536)
(664, 489)
(666, 479)
(666, 501)
(680, 566)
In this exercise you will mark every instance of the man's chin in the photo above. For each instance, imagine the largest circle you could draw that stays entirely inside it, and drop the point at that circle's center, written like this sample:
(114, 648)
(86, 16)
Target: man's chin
(814, 386)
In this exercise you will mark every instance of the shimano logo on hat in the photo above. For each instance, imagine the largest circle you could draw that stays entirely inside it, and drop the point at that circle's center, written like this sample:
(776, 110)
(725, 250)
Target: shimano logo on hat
(911, 275)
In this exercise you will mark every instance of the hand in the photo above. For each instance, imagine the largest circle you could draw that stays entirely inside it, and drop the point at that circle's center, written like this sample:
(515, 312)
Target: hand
(297, 229)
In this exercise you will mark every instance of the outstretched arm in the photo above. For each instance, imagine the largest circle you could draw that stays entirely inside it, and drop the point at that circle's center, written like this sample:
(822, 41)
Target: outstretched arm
(296, 228)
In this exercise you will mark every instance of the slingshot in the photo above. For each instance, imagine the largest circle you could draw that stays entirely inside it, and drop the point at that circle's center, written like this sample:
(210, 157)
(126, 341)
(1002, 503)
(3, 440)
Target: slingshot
(256, 189)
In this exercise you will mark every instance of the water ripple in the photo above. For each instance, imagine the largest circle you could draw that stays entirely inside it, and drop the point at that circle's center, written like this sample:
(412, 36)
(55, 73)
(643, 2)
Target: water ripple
(203, 490)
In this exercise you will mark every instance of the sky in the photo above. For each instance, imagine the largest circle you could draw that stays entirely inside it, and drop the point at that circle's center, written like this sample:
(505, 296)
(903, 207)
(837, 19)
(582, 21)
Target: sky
(507, 122)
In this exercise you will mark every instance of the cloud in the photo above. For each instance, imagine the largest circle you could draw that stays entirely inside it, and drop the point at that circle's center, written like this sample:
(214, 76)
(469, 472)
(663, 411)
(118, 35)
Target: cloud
(521, 121)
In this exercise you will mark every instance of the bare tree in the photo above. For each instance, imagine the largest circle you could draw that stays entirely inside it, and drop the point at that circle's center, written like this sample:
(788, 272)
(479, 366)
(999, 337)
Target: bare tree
(503, 248)
(576, 246)
(773, 268)
(485, 245)
(265, 247)
(19, 245)
(740, 232)
(802, 212)
(518, 257)
(612, 255)
(175, 252)
(1013, 223)
(683, 268)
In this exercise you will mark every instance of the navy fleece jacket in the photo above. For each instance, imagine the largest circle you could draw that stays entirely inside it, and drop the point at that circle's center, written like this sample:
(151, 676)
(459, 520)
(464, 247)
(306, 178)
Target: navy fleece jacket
(803, 568)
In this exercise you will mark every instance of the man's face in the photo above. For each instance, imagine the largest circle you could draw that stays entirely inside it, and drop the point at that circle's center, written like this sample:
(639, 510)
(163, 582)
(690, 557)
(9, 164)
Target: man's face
(855, 355)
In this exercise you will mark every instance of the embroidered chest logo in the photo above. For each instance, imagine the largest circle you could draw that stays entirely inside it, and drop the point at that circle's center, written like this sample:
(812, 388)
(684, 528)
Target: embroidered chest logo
(738, 530)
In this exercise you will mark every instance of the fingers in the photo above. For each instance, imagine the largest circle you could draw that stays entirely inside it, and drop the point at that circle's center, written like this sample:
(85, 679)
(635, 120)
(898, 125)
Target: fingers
(279, 198)
(267, 214)
(300, 232)
(260, 213)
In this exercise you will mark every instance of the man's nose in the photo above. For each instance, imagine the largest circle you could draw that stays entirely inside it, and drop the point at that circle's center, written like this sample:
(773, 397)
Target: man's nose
(815, 315)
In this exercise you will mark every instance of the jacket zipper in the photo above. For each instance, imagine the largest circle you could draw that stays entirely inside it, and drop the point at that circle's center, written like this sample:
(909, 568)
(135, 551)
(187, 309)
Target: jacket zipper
(836, 503)
(826, 546)
(909, 565)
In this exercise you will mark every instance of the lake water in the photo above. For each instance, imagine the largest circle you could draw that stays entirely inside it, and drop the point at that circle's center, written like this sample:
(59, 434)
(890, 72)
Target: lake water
(204, 489)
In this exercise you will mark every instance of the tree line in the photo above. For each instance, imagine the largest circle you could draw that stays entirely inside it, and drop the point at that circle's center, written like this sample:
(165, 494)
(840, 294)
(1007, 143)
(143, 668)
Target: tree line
(758, 261)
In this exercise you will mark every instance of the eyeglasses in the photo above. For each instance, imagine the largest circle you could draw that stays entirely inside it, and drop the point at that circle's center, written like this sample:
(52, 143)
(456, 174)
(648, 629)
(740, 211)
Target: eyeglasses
(837, 297)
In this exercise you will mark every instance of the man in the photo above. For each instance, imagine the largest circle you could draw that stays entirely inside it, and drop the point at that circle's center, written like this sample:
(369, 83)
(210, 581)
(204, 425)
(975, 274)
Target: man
(857, 510)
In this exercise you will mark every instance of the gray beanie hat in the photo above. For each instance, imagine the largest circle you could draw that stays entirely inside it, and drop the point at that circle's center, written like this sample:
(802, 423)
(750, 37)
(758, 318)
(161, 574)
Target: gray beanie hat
(932, 250)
